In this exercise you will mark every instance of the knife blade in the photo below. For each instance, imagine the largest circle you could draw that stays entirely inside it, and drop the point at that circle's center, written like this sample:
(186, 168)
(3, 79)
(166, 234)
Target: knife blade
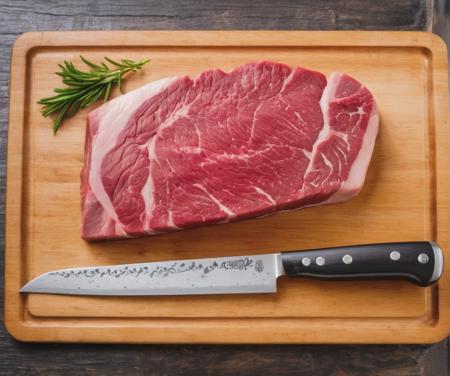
(419, 262)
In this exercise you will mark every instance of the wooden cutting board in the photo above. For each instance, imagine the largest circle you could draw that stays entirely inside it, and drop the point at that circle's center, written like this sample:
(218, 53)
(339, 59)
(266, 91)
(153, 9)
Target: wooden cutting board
(405, 198)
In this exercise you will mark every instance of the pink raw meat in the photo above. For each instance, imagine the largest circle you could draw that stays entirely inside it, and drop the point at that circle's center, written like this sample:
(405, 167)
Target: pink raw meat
(180, 153)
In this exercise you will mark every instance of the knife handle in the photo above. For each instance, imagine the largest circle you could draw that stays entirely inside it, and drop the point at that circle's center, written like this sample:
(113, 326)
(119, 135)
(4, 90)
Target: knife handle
(419, 262)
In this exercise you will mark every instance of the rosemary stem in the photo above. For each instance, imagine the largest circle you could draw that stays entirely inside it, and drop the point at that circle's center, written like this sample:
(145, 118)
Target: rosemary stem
(83, 88)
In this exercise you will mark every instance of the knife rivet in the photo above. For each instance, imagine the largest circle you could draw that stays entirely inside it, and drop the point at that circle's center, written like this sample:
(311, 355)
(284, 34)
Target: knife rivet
(394, 255)
(320, 261)
(347, 259)
(306, 261)
(423, 258)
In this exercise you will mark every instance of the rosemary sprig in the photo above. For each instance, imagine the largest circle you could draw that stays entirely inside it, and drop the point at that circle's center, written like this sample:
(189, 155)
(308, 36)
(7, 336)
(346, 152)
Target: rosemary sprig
(85, 88)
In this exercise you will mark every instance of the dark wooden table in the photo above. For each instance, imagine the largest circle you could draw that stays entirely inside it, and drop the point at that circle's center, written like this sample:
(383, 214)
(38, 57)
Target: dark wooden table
(18, 16)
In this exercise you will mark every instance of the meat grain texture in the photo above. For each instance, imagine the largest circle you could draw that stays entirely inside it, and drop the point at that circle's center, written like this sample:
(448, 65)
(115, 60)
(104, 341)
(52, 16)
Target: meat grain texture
(180, 152)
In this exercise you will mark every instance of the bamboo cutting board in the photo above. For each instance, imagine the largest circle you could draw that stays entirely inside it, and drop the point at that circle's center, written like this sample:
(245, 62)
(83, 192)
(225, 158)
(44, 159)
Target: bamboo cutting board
(405, 198)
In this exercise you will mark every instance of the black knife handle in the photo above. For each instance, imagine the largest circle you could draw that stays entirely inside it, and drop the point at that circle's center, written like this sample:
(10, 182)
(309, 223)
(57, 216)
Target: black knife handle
(420, 262)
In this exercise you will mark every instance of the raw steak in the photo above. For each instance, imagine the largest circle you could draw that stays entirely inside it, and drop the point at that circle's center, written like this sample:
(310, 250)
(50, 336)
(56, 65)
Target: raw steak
(180, 153)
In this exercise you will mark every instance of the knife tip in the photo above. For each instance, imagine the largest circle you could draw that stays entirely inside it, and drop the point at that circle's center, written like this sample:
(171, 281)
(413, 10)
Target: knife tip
(26, 288)
(23, 289)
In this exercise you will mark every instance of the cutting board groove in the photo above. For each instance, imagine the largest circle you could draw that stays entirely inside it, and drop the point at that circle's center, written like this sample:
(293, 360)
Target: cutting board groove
(405, 198)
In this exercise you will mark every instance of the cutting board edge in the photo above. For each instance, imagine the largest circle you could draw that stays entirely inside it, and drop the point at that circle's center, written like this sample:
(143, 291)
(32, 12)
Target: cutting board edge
(312, 331)
(29, 40)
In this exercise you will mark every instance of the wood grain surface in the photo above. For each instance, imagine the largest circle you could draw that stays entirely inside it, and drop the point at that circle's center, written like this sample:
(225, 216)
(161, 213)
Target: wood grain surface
(24, 359)
(405, 198)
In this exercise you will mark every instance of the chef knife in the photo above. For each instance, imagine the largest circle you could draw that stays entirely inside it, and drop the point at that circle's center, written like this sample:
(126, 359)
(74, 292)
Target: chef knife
(419, 262)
